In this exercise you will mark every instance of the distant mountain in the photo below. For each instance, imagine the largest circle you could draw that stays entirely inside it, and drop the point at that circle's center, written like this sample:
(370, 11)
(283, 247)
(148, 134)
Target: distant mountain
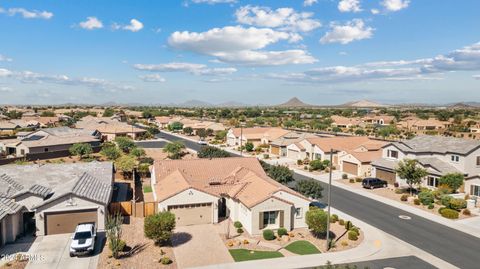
(465, 105)
(363, 103)
(231, 104)
(195, 103)
(294, 102)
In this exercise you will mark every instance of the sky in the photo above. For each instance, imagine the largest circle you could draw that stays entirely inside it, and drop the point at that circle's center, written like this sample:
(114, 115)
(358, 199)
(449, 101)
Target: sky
(252, 52)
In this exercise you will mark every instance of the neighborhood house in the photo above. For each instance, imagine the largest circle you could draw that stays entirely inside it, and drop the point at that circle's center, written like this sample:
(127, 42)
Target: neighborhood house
(209, 190)
(257, 136)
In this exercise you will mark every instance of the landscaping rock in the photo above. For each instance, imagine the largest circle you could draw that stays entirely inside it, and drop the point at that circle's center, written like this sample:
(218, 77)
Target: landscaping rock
(285, 238)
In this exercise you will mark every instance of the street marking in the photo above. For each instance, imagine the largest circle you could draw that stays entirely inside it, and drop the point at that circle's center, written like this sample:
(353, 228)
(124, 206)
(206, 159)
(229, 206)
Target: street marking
(377, 243)
(405, 217)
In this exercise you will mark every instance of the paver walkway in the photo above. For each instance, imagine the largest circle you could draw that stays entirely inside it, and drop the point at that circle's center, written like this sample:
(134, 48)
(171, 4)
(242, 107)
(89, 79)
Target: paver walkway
(199, 245)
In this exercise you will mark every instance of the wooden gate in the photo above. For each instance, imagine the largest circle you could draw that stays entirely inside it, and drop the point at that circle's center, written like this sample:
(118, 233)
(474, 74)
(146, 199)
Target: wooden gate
(149, 208)
(124, 208)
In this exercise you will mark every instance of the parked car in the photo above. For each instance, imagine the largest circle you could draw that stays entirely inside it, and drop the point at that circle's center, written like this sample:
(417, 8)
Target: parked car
(371, 183)
(83, 239)
(202, 142)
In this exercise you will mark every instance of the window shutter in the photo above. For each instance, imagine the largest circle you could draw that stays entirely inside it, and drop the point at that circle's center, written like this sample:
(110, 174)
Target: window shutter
(281, 218)
(472, 190)
(260, 220)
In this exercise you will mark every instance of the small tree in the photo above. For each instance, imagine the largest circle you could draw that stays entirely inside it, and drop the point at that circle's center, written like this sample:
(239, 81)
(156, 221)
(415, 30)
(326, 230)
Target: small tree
(317, 165)
(159, 227)
(212, 152)
(138, 152)
(453, 180)
(111, 152)
(280, 173)
(202, 133)
(174, 149)
(188, 130)
(412, 173)
(125, 144)
(249, 146)
(108, 112)
(82, 150)
(310, 188)
(113, 227)
(175, 126)
(221, 135)
(126, 164)
(316, 220)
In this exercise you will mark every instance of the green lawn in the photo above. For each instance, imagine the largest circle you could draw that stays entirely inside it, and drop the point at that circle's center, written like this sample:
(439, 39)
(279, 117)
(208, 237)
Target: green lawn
(240, 255)
(147, 189)
(302, 247)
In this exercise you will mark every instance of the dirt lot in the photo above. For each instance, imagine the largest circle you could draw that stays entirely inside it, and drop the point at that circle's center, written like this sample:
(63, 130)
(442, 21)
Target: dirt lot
(143, 252)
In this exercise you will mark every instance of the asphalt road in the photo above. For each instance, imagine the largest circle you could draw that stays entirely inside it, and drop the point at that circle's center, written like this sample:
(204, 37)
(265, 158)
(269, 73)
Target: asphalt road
(450, 245)
(151, 144)
(408, 262)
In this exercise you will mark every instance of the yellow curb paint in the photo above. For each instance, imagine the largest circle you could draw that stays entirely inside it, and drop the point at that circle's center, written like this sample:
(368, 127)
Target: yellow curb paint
(377, 243)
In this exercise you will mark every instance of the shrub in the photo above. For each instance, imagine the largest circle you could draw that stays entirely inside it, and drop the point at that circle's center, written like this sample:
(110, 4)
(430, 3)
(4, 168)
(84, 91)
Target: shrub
(431, 206)
(299, 162)
(448, 213)
(165, 260)
(81, 150)
(341, 222)
(316, 220)
(452, 180)
(268, 234)
(317, 165)
(282, 231)
(355, 229)
(310, 188)
(159, 227)
(404, 197)
(466, 212)
(125, 144)
(416, 201)
(348, 225)
(344, 176)
(426, 197)
(352, 235)
(240, 230)
(352, 180)
(334, 218)
(446, 200)
(212, 152)
(457, 204)
(358, 179)
(237, 224)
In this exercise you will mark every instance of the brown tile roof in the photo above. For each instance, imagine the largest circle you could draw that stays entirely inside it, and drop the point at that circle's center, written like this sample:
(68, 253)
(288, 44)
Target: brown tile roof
(242, 179)
(338, 143)
(270, 133)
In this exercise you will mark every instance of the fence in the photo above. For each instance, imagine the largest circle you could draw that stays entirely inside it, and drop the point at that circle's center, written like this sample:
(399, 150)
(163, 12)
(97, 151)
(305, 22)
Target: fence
(42, 156)
(135, 209)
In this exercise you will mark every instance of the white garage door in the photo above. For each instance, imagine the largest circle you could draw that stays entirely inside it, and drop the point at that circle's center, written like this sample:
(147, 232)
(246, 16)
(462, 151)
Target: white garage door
(191, 214)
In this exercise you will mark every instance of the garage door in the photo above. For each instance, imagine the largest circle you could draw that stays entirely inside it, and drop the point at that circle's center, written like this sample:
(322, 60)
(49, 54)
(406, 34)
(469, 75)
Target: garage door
(350, 168)
(385, 175)
(192, 213)
(67, 221)
(275, 150)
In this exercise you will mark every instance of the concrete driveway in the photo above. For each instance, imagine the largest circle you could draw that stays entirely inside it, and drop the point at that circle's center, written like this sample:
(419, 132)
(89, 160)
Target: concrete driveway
(199, 245)
(52, 252)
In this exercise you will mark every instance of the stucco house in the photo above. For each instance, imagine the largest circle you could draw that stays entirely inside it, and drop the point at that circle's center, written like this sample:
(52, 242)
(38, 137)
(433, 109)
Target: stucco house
(439, 155)
(255, 135)
(201, 191)
(279, 145)
(53, 198)
(344, 122)
(109, 128)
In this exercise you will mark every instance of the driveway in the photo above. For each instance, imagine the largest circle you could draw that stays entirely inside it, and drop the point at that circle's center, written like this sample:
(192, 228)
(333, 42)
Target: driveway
(199, 245)
(52, 252)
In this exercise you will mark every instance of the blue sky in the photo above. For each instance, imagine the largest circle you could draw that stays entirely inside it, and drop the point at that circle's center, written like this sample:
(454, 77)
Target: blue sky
(254, 52)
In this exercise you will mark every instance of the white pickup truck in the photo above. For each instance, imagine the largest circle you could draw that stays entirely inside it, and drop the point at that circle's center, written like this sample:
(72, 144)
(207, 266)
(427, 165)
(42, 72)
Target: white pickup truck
(83, 240)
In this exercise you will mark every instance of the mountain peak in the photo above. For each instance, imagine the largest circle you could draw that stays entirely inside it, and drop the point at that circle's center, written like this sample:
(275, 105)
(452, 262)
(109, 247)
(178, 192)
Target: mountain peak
(294, 102)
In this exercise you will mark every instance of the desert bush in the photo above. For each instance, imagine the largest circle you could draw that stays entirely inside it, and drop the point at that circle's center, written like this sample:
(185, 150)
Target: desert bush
(358, 179)
(466, 212)
(426, 197)
(352, 180)
(348, 225)
(237, 224)
(282, 231)
(341, 222)
(352, 235)
(165, 260)
(416, 201)
(159, 227)
(344, 176)
(404, 197)
(333, 218)
(240, 230)
(445, 199)
(268, 234)
(457, 204)
(448, 213)
(431, 206)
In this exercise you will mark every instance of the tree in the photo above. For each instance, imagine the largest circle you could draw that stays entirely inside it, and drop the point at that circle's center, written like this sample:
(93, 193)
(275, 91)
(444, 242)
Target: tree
(108, 112)
(317, 165)
(159, 227)
(81, 149)
(110, 152)
(221, 135)
(126, 164)
(137, 152)
(202, 133)
(316, 220)
(188, 130)
(47, 113)
(453, 180)
(249, 146)
(310, 188)
(280, 173)
(113, 227)
(174, 149)
(212, 152)
(175, 126)
(125, 144)
(412, 173)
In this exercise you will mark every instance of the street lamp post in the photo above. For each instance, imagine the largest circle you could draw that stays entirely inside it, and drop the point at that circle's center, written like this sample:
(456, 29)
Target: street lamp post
(329, 199)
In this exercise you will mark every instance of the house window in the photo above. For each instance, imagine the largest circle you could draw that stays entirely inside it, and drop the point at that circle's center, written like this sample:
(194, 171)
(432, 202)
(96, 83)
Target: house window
(475, 190)
(478, 160)
(392, 154)
(270, 218)
(46, 149)
(455, 158)
(298, 212)
(432, 182)
(318, 156)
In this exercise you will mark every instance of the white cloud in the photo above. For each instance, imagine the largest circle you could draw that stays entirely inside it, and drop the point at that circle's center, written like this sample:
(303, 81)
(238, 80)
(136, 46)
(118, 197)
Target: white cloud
(213, 2)
(464, 59)
(286, 19)
(395, 5)
(5, 73)
(477, 77)
(349, 32)
(27, 14)
(374, 11)
(349, 6)
(307, 3)
(152, 78)
(134, 26)
(91, 23)
(6, 89)
(192, 68)
(4, 58)
(239, 45)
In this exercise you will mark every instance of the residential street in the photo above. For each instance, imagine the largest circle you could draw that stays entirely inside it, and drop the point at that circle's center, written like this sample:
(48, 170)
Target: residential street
(448, 244)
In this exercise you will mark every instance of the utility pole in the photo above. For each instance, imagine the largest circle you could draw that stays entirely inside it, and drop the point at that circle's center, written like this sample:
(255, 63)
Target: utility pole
(329, 199)
(241, 138)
